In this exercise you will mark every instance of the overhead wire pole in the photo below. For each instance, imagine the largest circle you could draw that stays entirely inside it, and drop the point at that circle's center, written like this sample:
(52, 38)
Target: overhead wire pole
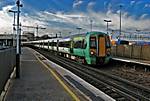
(35, 27)
(120, 22)
(18, 42)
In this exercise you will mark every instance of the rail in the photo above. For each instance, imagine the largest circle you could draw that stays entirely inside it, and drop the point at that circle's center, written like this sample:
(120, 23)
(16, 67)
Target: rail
(113, 86)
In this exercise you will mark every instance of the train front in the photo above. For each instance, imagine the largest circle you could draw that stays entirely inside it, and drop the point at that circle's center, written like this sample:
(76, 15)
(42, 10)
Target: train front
(99, 44)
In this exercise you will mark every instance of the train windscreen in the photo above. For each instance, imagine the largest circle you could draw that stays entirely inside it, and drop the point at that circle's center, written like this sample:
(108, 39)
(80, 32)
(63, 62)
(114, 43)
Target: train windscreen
(93, 42)
(93, 45)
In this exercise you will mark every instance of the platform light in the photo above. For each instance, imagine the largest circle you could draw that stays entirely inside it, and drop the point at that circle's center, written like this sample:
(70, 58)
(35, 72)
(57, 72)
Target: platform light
(107, 21)
(79, 28)
(14, 29)
(18, 42)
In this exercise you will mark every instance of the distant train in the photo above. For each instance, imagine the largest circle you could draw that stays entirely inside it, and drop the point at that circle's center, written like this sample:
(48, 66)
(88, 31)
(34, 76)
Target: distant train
(91, 48)
(132, 42)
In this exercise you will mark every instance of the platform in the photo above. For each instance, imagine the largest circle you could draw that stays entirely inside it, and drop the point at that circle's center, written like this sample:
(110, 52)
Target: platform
(36, 83)
(43, 80)
(131, 60)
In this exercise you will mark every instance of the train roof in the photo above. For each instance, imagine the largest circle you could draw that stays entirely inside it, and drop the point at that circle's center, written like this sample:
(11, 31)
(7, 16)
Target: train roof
(68, 38)
(65, 39)
(84, 34)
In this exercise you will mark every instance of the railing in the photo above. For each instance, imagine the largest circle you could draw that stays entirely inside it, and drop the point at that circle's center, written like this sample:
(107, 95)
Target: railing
(7, 63)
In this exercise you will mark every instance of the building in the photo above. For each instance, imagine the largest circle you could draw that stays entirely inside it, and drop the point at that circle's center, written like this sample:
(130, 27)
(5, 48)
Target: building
(10, 39)
(30, 35)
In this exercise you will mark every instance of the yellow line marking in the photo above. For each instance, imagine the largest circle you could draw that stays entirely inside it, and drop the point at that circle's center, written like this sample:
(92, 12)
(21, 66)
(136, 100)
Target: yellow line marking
(59, 80)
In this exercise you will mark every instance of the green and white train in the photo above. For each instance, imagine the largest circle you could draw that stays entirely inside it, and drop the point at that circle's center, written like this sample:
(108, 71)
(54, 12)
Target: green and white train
(91, 48)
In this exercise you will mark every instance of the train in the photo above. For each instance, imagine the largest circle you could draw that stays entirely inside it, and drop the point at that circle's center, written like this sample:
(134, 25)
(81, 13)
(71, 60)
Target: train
(92, 48)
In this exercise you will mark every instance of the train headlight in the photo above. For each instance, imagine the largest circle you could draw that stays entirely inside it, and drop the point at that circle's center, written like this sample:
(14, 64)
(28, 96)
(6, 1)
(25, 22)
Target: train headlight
(92, 53)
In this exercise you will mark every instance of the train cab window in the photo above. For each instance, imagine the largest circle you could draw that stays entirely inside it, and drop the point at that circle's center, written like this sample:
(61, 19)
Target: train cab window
(92, 42)
(78, 44)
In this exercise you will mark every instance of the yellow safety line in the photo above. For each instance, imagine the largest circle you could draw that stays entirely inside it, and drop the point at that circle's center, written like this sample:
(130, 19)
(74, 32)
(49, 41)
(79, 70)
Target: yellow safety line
(59, 80)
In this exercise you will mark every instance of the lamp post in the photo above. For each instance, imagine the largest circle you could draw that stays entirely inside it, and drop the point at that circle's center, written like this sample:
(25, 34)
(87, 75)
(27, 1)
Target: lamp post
(91, 21)
(18, 42)
(20, 38)
(79, 28)
(14, 17)
(107, 21)
(13, 25)
(120, 22)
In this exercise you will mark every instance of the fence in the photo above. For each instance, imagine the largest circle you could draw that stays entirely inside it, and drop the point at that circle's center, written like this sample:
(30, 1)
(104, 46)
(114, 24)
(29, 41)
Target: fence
(132, 51)
(7, 63)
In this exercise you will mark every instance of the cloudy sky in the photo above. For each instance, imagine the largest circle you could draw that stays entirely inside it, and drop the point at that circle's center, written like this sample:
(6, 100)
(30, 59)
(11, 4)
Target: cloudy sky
(67, 15)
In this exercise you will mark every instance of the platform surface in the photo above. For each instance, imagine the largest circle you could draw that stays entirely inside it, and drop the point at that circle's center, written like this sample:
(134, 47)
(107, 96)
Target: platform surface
(36, 83)
(131, 60)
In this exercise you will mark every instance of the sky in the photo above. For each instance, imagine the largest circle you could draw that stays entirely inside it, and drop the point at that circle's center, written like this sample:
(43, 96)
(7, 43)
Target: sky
(66, 15)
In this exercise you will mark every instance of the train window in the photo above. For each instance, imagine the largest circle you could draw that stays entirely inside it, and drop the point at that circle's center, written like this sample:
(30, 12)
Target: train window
(50, 43)
(123, 42)
(67, 44)
(64, 44)
(45, 43)
(41, 43)
(78, 44)
(53, 43)
(92, 42)
(84, 44)
(60, 44)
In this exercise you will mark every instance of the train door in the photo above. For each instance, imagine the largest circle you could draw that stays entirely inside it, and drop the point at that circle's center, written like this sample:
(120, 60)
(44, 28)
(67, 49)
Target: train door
(52, 45)
(48, 45)
(57, 45)
(71, 46)
(101, 45)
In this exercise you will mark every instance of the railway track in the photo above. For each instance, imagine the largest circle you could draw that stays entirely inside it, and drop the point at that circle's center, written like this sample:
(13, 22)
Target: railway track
(116, 87)
(132, 72)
